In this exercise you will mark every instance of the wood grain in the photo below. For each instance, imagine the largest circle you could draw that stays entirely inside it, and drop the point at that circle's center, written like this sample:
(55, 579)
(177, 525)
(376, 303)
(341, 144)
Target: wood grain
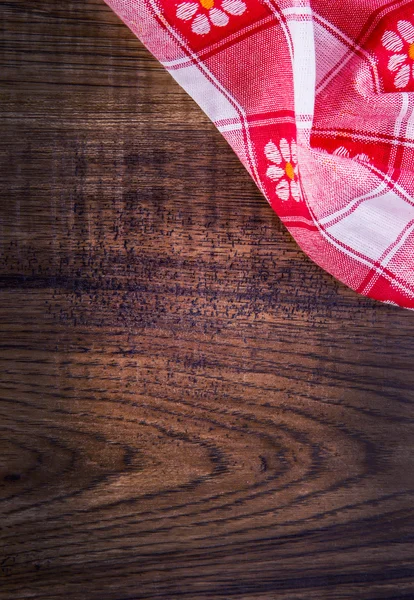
(189, 407)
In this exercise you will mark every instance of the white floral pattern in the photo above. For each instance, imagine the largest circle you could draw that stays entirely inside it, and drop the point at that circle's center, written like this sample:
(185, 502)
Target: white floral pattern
(401, 44)
(342, 151)
(283, 169)
(204, 14)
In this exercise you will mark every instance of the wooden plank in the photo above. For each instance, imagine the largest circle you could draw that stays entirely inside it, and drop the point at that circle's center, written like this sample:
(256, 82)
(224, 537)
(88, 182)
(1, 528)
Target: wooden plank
(189, 407)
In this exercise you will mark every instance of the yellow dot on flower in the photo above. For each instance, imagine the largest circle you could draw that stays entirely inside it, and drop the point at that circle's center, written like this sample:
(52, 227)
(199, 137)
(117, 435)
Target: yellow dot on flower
(289, 170)
(207, 4)
(411, 51)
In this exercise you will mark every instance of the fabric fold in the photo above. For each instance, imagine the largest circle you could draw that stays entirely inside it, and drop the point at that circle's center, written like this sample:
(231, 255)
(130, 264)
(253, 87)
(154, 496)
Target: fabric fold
(317, 101)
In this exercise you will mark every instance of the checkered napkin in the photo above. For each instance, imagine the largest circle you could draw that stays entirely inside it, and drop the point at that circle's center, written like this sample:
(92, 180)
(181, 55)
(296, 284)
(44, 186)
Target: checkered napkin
(315, 97)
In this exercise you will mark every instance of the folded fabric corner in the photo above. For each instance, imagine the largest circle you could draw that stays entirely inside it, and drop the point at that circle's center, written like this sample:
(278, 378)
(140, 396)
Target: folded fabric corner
(318, 104)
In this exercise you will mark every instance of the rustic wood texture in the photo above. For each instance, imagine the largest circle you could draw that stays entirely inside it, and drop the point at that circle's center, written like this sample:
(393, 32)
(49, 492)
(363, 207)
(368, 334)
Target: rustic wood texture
(189, 407)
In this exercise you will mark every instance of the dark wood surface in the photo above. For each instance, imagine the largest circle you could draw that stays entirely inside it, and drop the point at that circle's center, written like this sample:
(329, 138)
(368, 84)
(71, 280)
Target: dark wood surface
(189, 407)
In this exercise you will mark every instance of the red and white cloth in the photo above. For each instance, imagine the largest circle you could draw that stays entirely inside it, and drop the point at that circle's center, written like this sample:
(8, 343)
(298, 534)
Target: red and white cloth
(315, 97)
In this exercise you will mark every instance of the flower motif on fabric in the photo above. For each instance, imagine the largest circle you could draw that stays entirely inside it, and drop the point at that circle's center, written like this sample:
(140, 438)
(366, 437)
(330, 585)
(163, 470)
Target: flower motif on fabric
(204, 14)
(283, 169)
(342, 151)
(401, 44)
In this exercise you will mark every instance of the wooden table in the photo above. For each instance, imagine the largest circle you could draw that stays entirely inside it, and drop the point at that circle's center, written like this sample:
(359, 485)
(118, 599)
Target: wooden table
(190, 408)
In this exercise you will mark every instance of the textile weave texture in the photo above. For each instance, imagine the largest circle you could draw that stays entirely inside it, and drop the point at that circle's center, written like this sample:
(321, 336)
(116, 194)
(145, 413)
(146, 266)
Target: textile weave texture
(316, 98)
